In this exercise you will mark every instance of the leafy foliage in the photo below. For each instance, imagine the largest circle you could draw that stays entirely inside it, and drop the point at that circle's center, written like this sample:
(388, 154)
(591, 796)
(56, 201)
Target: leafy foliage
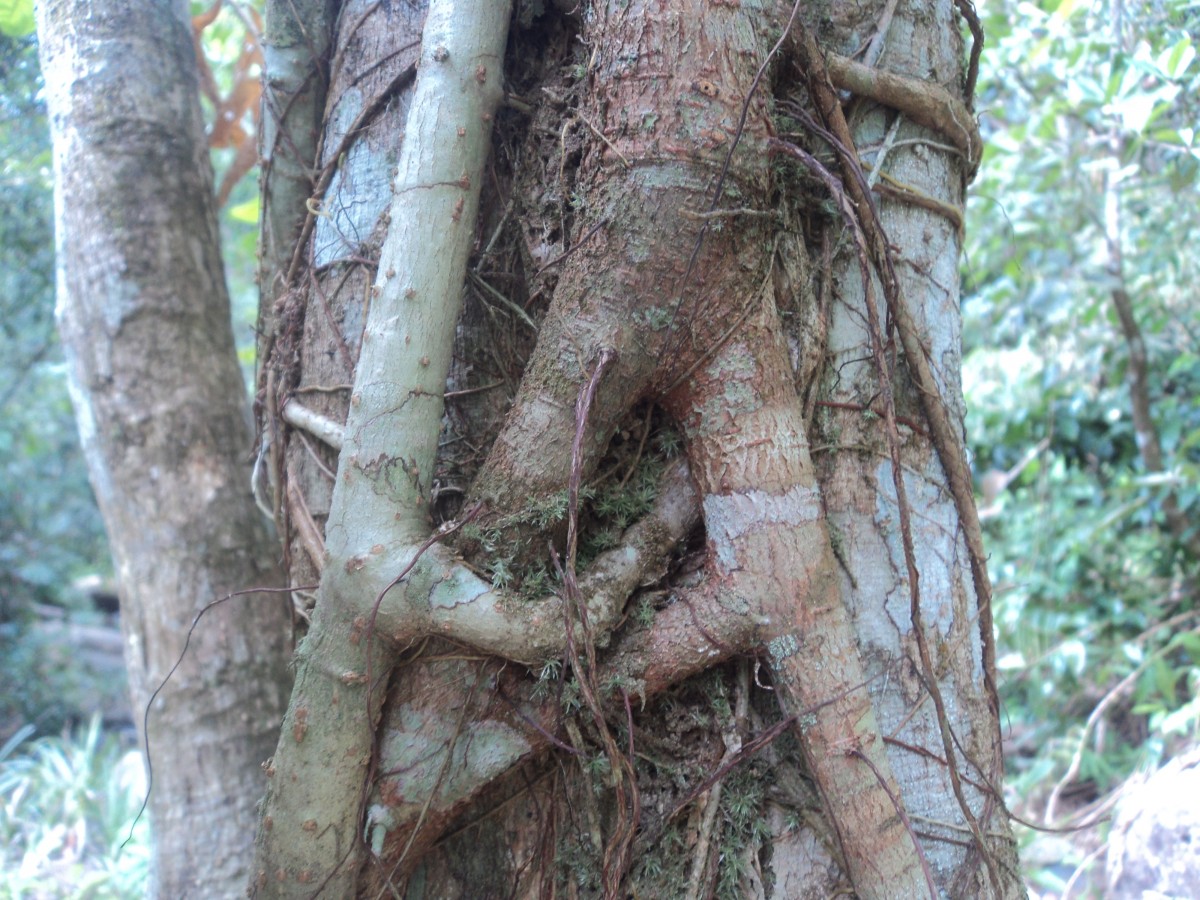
(67, 805)
(16, 18)
(50, 530)
(1095, 591)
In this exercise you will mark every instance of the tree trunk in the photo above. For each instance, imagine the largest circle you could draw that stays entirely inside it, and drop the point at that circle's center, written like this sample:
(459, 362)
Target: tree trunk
(630, 185)
(649, 291)
(144, 316)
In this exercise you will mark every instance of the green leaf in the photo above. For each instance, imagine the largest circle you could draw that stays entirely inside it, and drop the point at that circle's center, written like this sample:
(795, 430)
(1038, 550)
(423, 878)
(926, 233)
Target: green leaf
(1176, 60)
(244, 212)
(1066, 9)
(1190, 642)
(16, 17)
(38, 573)
(1165, 680)
(1137, 110)
(1177, 137)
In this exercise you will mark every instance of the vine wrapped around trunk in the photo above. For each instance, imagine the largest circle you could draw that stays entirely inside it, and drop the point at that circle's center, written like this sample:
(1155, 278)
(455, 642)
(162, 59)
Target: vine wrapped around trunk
(680, 277)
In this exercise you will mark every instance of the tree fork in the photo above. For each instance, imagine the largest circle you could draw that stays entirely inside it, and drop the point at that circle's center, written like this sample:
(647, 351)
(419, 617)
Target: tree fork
(312, 813)
(690, 347)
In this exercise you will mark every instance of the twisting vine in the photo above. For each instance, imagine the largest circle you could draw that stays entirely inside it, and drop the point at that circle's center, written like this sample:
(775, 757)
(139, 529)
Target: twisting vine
(863, 218)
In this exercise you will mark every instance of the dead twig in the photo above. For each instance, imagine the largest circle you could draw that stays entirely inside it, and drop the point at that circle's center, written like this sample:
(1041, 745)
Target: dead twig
(579, 243)
(306, 528)
(733, 743)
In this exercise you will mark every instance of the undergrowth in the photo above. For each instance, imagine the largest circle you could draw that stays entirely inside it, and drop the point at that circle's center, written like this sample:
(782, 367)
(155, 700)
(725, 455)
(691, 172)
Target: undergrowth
(66, 807)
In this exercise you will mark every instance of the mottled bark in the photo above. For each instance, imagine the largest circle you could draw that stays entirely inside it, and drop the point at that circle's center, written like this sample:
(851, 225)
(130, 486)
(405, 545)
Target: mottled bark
(144, 316)
(295, 47)
(679, 278)
(867, 521)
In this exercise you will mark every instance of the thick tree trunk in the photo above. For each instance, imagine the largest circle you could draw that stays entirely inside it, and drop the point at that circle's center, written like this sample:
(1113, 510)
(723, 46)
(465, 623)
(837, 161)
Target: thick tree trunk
(144, 316)
(638, 190)
(922, 43)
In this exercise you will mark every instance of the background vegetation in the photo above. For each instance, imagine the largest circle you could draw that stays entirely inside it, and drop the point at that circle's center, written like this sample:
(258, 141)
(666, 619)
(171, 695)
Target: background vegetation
(1093, 550)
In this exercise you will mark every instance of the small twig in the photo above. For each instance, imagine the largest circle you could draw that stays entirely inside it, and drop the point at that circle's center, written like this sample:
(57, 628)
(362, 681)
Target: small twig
(875, 47)
(298, 415)
(450, 395)
(529, 720)
(508, 304)
(348, 259)
(733, 743)
(637, 457)
(600, 134)
(499, 230)
(275, 474)
(884, 149)
(306, 528)
(315, 457)
(1083, 867)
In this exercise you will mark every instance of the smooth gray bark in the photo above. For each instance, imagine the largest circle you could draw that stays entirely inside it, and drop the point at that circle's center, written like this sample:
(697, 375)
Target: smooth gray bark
(144, 316)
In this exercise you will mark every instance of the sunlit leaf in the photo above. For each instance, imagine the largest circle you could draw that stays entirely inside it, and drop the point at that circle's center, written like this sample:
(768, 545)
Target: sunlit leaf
(245, 212)
(1176, 60)
(1137, 110)
(16, 17)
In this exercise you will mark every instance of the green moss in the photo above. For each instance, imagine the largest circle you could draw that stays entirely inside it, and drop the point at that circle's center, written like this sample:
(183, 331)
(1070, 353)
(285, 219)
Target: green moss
(577, 864)
(663, 869)
(744, 827)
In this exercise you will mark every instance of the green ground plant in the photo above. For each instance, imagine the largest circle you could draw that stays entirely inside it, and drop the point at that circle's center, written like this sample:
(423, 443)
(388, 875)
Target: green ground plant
(67, 809)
